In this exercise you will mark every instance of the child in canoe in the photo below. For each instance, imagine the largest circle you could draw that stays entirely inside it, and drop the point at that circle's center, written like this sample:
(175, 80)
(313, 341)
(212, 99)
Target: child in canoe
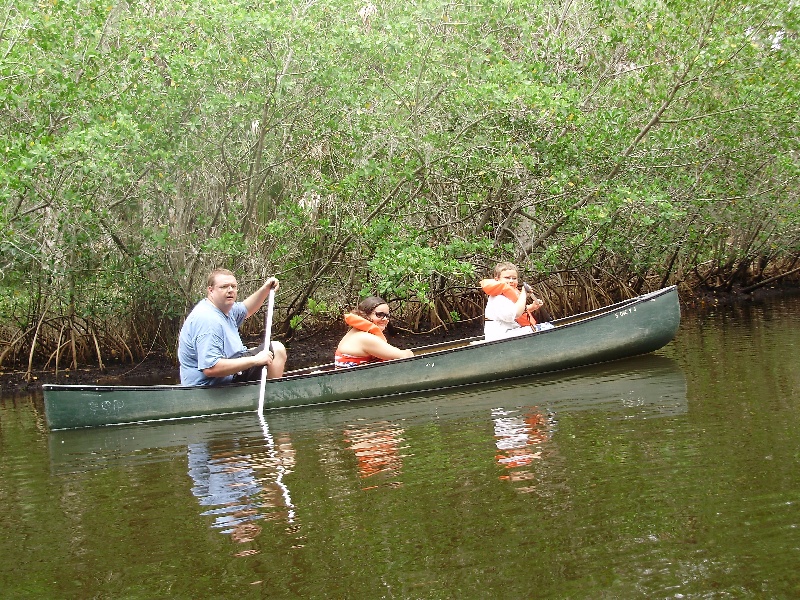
(507, 312)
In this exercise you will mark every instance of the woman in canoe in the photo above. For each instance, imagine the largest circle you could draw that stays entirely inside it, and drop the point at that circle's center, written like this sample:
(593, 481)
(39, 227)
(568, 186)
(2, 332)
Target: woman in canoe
(365, 342)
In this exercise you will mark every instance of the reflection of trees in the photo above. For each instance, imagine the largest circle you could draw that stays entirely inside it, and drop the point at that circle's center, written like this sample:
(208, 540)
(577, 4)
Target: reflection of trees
(377, 447)
(520, 439)
(241, 481)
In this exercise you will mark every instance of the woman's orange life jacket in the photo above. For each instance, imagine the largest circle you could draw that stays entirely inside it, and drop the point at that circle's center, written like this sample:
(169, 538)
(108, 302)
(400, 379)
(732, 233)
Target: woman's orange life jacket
(493, 287)
(362, 324)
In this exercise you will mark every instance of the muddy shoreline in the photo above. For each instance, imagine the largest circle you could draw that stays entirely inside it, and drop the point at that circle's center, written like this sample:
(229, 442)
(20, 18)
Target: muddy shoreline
(315, 349)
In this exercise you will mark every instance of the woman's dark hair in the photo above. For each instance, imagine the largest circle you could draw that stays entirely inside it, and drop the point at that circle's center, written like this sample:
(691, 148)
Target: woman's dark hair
(367, 305)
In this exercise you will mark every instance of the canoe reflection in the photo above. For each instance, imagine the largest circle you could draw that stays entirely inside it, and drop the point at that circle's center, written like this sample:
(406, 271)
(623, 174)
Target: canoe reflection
(242, 468)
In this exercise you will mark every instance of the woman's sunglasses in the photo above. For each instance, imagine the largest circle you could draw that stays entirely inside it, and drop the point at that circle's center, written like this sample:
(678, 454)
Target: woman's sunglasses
(381, 315)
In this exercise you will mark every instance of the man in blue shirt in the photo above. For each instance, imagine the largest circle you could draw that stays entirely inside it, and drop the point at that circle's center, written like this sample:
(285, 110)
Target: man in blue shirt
(210, 349)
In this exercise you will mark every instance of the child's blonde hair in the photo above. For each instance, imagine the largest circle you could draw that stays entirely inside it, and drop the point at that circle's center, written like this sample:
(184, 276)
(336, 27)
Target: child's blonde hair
(504, 266)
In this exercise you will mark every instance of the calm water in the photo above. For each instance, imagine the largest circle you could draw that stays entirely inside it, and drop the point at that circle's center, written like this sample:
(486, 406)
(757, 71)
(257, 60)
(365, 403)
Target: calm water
(670, 476)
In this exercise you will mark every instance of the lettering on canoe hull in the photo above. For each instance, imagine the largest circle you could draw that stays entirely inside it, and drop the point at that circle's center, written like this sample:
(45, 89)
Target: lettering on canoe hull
(106, 406)
(622, 313)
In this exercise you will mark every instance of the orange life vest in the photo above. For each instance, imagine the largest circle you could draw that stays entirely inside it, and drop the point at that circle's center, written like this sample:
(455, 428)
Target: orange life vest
(362, 324)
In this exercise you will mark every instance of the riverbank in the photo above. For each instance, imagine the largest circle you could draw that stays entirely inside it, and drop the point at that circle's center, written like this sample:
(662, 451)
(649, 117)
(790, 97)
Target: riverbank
(304, 351)
(314, 349)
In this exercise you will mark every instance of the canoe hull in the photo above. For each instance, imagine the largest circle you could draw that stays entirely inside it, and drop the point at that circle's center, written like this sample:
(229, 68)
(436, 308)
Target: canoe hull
(629, 328)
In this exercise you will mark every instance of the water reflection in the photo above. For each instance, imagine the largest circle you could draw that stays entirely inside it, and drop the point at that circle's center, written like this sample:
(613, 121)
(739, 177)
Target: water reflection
(378, 450)
(518, 436)
(651, 386)
(242, 481)
(226, 481)
(241, 468)
(521, 438)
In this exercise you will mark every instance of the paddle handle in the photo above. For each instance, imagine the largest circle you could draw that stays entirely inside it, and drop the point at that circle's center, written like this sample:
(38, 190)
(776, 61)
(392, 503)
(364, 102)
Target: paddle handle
(267, 335)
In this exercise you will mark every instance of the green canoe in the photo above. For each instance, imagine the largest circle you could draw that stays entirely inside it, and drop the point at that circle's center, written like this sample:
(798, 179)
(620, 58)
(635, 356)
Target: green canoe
(629, 328)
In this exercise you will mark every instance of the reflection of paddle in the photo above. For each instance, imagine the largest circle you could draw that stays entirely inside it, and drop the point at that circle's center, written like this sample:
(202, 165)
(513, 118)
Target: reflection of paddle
(280, 468)
(267, 333)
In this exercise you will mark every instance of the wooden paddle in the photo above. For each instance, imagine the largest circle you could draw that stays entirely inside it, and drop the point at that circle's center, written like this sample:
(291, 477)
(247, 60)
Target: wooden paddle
(267, 334)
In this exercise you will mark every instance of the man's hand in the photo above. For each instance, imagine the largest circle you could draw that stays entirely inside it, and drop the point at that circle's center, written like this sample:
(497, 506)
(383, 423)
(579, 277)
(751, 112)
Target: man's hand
(254, 301)
(264, 358)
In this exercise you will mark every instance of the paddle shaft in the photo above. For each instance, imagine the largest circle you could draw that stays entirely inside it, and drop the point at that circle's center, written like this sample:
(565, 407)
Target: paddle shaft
(267, 335)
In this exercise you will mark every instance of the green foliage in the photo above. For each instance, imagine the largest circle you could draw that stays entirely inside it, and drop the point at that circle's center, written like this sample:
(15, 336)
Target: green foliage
(399, 151)
(408, 265)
